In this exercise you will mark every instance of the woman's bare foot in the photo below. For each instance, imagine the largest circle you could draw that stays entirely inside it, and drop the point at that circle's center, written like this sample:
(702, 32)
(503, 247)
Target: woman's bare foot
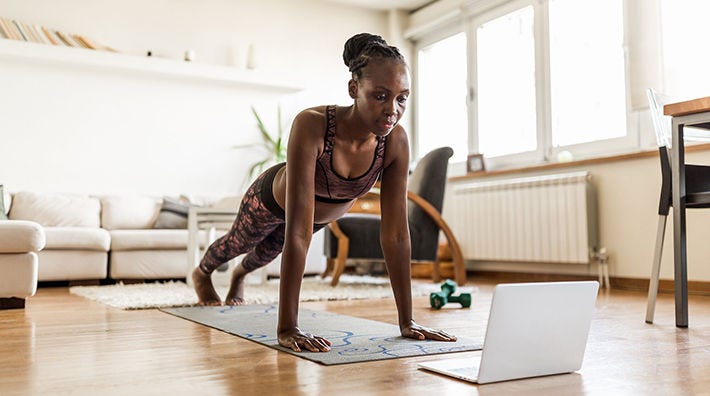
(235, 296)
(206, 294)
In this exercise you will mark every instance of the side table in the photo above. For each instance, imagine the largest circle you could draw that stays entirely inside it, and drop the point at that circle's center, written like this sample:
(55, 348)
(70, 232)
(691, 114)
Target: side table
(209, 220)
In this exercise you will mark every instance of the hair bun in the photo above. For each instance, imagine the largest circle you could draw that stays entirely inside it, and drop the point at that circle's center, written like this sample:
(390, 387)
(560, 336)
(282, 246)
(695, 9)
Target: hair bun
(357, 43)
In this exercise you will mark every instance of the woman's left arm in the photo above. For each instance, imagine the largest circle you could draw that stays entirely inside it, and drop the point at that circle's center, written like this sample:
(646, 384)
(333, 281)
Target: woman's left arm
(394, 235)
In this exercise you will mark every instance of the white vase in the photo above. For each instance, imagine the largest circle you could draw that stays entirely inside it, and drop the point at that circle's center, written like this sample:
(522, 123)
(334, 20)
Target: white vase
(251, 57)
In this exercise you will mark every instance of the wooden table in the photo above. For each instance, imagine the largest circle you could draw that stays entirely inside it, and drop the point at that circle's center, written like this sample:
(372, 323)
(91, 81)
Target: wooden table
(692, 113)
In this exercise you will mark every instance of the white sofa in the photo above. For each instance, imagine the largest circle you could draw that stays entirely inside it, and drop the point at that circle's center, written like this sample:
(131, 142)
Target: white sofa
(76, 245)
(114, 236)
(19, 243)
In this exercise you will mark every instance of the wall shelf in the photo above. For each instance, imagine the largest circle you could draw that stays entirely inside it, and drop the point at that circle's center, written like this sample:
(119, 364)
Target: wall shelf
(15, 50)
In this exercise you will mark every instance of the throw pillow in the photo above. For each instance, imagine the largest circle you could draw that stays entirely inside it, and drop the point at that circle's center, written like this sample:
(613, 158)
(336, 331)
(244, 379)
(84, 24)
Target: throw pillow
(3, 215)
(173, 214)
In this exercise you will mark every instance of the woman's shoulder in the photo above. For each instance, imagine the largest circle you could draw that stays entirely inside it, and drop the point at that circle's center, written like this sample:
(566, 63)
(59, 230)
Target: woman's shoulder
(397, 146)
(398, 136)
(311, 115)
(308, 121)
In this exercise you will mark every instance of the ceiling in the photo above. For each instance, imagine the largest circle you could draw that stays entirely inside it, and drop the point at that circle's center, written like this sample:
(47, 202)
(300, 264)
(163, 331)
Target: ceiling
(406, 5)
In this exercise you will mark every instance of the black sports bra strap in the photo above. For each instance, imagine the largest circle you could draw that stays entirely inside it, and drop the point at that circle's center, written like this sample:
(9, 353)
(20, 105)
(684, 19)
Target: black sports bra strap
(330, 128)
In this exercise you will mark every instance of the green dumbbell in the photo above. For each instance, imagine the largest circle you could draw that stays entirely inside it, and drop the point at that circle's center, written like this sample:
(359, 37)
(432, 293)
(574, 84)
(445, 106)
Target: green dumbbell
(445, 296)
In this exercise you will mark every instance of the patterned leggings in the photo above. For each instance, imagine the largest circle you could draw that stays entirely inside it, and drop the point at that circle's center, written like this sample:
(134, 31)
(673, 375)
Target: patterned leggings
(258, 229)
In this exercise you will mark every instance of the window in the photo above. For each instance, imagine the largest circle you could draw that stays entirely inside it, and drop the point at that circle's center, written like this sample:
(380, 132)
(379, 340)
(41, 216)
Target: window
(505, 71)
(588, 99)
(441, 97)
(544, 76)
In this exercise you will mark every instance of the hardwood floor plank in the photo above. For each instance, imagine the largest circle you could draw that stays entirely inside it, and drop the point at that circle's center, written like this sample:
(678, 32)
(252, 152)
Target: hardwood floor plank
(64, 344)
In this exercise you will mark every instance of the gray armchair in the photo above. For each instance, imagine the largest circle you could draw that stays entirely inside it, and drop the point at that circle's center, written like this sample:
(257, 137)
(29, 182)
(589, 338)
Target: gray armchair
(357, 236)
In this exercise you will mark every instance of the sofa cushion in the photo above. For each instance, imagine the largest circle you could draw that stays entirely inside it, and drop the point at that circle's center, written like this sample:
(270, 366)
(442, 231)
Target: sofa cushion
(148, 239)
(19, 236)
(129, 212)
(173, 214)
(56, 210)
(77, 238)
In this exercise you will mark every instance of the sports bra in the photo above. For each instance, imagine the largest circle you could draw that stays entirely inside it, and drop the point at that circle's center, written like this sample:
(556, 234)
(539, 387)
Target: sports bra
(331, 187)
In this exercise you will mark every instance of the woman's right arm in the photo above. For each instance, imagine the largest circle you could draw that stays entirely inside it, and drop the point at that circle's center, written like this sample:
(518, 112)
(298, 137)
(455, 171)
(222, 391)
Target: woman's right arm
(303, 150)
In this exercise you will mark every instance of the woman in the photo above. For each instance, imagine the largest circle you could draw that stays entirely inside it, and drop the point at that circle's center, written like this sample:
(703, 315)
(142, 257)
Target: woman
(335, 155)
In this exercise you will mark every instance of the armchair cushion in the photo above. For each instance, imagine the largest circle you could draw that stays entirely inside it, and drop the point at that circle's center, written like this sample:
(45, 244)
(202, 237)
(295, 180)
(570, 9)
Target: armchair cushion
(366, 245)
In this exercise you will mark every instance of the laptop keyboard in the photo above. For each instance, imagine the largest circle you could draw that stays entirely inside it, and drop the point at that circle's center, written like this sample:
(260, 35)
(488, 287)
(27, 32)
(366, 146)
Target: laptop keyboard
(468, 371)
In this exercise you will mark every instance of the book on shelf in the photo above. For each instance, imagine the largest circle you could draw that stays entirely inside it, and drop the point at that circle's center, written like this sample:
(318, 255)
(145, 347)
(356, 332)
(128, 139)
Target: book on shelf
(71, 41)
(18, 25)
(12, 29)
(3, 30)
(50, 37)
(84, 41)
(62, 38)
(37, 30)
(77, 39)
(27, 28)
(17, 30)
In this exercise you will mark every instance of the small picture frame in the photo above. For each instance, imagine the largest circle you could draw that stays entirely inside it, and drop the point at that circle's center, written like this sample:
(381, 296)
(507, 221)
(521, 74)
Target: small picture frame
(475, 163)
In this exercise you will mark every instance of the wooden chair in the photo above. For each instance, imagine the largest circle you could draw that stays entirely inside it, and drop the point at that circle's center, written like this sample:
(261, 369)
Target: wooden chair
(357, 236)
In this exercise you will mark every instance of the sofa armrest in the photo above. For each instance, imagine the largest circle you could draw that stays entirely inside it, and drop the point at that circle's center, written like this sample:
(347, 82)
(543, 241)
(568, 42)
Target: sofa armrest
(21, 236)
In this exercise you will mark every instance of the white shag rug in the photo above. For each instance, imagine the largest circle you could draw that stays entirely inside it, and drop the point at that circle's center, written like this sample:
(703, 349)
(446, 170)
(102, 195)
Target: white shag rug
(178, 294)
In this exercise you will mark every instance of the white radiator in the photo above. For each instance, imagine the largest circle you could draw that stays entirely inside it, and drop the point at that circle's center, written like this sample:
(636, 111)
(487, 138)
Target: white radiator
(549, 219)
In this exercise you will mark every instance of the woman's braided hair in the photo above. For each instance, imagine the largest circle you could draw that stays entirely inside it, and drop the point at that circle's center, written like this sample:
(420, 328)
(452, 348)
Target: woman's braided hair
(363, 47)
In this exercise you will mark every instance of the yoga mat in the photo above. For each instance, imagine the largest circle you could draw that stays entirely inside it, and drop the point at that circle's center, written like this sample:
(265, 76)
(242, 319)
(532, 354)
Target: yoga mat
(354, 339)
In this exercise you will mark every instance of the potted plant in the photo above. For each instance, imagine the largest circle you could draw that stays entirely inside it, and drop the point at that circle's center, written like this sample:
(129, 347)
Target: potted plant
(273, 146)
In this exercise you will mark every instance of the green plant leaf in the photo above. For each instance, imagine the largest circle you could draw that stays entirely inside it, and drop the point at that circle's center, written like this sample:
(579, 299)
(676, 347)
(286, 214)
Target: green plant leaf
(245, 146)
(275, 146)
(262, 128)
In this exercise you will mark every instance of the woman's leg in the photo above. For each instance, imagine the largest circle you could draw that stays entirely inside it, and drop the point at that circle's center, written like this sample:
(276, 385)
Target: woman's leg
(264, 253)
(254, 222)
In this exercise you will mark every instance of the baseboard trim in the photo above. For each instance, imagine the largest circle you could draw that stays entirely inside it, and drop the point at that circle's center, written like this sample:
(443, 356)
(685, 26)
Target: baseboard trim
(700, 288)
(12, 303)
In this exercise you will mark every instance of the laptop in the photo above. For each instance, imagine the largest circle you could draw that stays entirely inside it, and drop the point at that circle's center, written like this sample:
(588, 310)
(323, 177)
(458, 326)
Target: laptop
(534, 329)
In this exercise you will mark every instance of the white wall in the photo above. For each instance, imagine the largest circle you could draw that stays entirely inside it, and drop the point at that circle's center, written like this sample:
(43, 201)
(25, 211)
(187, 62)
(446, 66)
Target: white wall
(75, 129)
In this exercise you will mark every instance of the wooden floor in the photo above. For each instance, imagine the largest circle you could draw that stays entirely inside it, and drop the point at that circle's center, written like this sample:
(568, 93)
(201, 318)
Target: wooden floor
(63, 344)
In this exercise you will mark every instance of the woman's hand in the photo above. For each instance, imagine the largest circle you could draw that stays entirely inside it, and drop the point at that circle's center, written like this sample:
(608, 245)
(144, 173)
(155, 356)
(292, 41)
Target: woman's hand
(413, 330)
(296, 339)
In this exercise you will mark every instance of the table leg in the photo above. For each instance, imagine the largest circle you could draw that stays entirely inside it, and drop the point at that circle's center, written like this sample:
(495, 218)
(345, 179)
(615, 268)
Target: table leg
(192, 246)
(679, 242)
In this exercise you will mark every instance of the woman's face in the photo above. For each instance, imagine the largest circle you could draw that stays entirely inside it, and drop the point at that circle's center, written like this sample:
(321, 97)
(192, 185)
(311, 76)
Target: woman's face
(381, 94)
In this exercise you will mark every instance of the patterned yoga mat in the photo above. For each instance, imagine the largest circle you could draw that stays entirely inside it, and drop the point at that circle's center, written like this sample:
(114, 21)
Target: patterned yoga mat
(354, 339)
